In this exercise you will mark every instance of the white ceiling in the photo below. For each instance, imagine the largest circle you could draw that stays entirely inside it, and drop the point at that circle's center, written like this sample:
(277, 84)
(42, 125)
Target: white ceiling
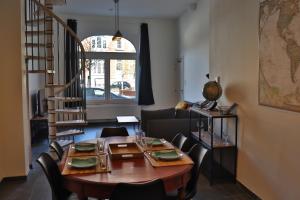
(129, 8)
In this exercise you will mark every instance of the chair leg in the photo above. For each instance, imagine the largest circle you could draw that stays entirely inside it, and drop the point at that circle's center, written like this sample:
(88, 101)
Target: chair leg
(81, 197)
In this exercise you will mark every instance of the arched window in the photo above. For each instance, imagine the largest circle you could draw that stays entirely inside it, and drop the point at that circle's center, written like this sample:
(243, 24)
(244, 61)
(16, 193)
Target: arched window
(111, 77)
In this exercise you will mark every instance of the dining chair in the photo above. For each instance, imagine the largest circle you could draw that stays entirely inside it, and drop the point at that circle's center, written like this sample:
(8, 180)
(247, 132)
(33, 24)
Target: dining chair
(54, 177)
(188, 144)
(153, 190)
(114, 131)
(179, 140)
(197, 154)
(57, 148)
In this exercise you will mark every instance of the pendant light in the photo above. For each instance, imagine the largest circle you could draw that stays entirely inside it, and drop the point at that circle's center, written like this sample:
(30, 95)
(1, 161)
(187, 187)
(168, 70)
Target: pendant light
(118, 35)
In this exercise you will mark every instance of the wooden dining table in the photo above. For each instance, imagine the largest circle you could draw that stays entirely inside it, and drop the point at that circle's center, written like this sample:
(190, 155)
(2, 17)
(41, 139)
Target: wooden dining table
(137, 170)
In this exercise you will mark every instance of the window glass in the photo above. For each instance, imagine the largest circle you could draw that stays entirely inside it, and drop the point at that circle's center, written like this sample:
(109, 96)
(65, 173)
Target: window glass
(105, 44)
(122, 79)
(95, 76)
(110, 75)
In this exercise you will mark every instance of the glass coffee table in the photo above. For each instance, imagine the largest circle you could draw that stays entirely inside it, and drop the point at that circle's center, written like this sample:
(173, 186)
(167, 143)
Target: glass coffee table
(128, 120)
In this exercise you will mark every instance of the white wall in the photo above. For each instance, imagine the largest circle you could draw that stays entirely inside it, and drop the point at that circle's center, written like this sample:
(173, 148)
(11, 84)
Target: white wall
(194, 49)
(163, 50)
(14, 126)
(268, 157)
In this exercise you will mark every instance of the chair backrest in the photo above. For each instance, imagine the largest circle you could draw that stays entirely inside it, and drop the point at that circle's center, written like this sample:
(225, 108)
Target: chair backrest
(147, 191)
(197, 154)
(53, 175)
(58, 149)
(188, 144)
(114, 131)
(179, 140)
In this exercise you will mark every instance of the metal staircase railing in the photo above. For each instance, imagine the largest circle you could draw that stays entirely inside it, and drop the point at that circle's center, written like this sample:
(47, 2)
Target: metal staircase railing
(62, 66)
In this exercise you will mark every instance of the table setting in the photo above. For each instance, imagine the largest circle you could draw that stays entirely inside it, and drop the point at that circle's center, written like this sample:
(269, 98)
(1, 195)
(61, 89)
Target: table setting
(85, 158)
(99, 164)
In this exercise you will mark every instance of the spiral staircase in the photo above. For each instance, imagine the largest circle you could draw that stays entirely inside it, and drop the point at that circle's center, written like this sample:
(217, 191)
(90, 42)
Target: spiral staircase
(62, 66)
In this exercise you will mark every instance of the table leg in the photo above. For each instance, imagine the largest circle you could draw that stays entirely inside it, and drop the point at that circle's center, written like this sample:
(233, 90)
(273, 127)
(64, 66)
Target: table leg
(181, 193)
(81, 197)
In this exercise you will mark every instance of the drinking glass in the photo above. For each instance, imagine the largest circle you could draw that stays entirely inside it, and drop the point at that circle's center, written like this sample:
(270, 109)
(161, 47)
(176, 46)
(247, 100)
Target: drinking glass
(148, 143)
(103, 159)
(143, 138)
(101, 145)
(138, 136)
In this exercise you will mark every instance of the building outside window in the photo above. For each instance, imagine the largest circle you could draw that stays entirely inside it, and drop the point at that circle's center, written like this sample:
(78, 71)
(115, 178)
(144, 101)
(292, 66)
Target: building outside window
(104, 44)
(119, 44)
(93, 44)
(119, 65)
(99, 44)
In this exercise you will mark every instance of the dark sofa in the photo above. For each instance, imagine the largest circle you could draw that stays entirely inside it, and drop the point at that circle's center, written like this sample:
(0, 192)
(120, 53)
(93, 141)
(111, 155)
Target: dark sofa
(167, 123)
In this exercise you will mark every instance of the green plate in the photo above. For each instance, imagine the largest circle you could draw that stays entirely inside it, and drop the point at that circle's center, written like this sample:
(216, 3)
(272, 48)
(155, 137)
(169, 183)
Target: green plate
(166, 155)
(83, 162)
(85, 147)
(157, 142)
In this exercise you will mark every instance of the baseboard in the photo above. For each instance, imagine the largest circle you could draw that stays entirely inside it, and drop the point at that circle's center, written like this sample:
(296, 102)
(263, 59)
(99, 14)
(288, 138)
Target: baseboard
(15, 178)
(249, 192)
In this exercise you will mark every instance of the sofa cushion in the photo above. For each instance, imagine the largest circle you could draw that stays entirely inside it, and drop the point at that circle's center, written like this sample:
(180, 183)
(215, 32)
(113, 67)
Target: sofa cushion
(156, 114)
(182, 105)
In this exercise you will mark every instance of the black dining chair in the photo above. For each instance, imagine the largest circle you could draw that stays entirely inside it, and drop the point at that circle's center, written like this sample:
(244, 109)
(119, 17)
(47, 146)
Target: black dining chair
(114, 131)
(57, 148)
(197, 154)
(179, 140)
(188, 144)
(54, 177)
(153, 190)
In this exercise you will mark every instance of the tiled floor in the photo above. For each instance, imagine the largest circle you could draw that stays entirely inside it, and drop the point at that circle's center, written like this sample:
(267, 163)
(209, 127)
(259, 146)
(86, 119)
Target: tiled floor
(36, 186)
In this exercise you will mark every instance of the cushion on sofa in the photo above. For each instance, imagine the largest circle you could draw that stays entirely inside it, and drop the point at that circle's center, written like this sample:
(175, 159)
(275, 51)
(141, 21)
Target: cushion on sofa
(182, 105)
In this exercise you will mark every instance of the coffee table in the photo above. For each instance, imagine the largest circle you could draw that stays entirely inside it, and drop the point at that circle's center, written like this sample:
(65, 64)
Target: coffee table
(123, 120)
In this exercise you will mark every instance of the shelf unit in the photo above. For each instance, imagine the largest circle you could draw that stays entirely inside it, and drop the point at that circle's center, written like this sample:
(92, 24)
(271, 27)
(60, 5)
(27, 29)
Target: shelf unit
(215, 142)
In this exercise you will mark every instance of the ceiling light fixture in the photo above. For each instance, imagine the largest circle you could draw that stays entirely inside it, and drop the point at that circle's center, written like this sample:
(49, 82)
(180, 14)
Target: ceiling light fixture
(118, 35)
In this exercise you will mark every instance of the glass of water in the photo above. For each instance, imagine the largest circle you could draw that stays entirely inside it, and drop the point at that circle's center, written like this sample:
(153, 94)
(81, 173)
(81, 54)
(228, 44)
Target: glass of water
(101, 145)
(103, 161)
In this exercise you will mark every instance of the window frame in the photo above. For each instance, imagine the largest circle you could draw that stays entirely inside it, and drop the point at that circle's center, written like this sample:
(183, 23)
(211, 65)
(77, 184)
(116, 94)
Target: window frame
(107, 56)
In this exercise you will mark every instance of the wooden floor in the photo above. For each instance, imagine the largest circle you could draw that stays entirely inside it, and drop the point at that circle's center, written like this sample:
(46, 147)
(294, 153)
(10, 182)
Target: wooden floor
(36, 187)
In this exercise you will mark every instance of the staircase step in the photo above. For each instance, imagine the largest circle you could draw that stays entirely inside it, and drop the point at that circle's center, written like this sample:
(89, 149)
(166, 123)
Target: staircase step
(55, 86)
(35, 33)
(71, 132)
(38, 21)
(65, 143)
(71, 123)
(37, 71)
(42, 71)
(66, 99)
(70, 111)
(48, 58)
(38, 45)
(50, 71)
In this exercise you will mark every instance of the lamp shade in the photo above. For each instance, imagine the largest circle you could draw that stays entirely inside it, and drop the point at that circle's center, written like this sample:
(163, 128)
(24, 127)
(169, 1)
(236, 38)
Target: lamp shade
(117, 36)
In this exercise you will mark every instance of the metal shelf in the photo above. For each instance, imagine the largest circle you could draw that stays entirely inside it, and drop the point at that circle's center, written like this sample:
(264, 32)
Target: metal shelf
(206, 140)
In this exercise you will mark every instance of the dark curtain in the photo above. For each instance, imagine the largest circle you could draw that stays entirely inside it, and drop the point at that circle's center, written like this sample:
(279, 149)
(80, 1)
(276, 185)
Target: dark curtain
(72, 61)
(145, 95)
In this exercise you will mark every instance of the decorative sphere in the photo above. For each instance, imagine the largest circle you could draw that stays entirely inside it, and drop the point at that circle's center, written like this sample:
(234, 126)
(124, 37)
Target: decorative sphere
(212, 91)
